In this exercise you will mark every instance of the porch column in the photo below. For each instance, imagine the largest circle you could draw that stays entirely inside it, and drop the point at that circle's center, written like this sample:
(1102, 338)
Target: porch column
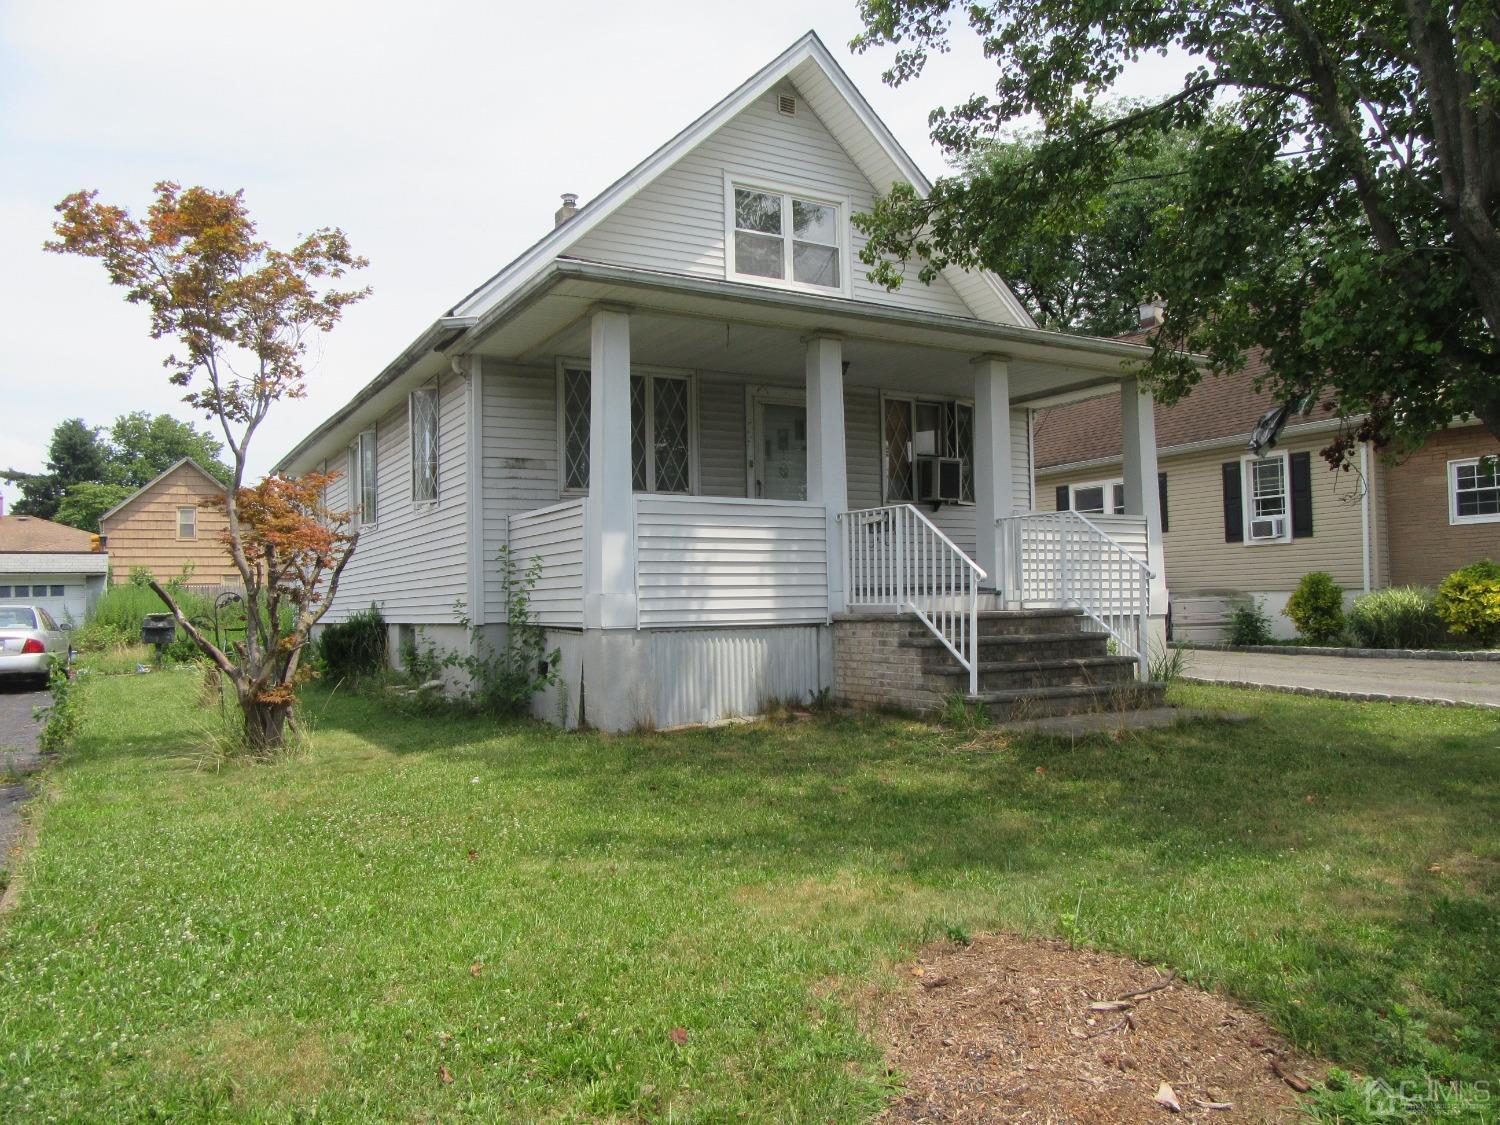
(1142, 498)
(609, 562)
(827, 468)
(994, 488)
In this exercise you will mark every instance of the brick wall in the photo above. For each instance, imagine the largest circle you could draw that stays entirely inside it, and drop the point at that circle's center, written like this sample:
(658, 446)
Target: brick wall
(1424, 546)
(872, 668)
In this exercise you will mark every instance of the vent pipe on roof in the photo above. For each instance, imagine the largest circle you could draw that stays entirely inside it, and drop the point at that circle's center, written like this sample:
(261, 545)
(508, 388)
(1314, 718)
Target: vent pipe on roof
(1152, 313)
(568, 209)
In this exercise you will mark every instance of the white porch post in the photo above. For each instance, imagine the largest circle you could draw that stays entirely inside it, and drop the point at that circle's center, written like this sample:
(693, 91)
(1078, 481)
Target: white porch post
(609, 563)
(827, 469)
(1138, 447)
(994, 489)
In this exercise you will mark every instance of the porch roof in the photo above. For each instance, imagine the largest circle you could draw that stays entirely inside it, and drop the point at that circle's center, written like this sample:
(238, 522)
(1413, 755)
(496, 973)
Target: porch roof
(750, 330)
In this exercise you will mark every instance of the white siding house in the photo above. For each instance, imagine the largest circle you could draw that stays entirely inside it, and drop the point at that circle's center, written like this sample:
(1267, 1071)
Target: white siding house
(691, 405)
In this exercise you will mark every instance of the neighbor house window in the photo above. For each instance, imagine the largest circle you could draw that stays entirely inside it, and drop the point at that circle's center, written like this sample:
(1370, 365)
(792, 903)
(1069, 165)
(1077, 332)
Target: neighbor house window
(661, 430)
(780, 236)
(917, 428)
(1474, 490)
(5, 592)
(423, 411)
(1089, 498)
(57, 591)
(1267, 499)
(362, 464)
(187, 523)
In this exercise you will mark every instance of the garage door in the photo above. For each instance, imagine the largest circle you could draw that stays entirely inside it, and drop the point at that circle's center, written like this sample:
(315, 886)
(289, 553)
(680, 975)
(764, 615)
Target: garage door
(63, 596)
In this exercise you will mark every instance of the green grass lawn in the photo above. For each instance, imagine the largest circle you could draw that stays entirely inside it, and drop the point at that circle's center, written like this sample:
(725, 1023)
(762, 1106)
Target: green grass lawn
(532, 913)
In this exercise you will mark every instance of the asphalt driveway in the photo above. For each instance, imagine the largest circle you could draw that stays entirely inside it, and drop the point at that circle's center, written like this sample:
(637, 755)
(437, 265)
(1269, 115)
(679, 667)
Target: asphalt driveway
(1441, 681)
(18, 757)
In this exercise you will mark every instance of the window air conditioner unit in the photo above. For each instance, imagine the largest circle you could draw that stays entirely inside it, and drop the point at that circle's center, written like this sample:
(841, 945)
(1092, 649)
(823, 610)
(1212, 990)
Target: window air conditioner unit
(939, 478)
(1269, 527)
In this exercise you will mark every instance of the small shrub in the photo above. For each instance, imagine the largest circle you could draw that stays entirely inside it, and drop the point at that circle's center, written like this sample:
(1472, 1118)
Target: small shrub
(1316, 607)
(1400, 617)
(354, 648)
(1468, 602)
(63, 715)
(1248, 625)
(504, 682)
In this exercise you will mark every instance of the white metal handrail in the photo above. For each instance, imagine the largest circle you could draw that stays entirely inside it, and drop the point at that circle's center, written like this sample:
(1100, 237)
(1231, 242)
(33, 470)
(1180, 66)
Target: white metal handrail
(895, 556)
(1065, 558)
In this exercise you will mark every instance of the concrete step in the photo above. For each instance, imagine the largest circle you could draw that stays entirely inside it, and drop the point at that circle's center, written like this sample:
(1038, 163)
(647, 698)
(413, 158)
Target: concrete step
(1027, 647)
(993, 622)
(1072, 699)
(1001, 675)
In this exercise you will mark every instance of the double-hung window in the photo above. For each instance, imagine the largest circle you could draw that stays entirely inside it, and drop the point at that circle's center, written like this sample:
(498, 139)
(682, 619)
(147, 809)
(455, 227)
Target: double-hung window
(916, 428)
(422, 409)
(1090, 498)
(781, 236)
(1267, 499)
(1474, 490)
(187, 523)
(661, 430)
(362, 489)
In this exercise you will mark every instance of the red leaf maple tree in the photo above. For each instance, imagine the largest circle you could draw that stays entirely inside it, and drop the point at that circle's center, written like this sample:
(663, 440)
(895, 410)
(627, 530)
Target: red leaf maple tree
(240, 313)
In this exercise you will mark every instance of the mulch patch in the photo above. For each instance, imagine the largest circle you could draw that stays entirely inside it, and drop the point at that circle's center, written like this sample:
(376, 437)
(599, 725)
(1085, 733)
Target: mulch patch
(1033, 1031)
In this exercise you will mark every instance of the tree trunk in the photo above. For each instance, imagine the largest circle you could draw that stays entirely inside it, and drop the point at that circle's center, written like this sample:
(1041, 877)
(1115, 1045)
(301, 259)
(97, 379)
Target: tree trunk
(265, 724)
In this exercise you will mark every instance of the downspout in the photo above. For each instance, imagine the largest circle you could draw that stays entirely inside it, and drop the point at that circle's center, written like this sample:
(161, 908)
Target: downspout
(1364, 510)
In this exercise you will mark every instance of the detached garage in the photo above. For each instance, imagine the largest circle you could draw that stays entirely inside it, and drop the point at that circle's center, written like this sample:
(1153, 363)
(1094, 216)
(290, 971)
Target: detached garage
(50, 565)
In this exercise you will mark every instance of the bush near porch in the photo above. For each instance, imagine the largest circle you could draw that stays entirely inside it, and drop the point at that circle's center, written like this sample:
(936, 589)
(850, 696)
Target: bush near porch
(534, 915)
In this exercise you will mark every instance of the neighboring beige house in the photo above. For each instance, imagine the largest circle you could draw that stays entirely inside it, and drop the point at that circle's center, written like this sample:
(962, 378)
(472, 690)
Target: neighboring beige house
(1235, 525)
(167, 527)
(50, 565)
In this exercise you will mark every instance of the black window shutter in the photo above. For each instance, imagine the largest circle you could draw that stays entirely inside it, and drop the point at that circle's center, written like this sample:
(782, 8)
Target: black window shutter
(1234, 512)
(1161, 495)
(1302, 524)
(1062, 498)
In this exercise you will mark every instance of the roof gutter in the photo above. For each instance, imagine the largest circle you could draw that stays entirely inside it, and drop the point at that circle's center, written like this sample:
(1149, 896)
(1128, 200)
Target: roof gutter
(438, 337)
(843, 308)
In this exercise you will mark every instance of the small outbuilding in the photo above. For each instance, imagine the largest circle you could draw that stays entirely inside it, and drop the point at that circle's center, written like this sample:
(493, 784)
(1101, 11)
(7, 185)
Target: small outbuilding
(170, 526)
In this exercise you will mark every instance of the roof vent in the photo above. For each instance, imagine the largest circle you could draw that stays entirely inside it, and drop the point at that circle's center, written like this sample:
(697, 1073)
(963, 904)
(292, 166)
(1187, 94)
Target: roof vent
(568, 209)
(786, 104)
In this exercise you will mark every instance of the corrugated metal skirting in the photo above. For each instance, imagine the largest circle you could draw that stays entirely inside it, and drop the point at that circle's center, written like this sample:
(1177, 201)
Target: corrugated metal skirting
(706, 675)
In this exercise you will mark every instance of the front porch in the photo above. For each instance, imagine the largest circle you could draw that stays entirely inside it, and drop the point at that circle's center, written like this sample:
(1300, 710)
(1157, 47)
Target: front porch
(719, 468)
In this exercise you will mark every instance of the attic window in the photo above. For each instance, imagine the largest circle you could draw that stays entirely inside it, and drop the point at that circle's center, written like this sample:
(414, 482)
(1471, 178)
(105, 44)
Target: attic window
(784, 238)
(786, 104)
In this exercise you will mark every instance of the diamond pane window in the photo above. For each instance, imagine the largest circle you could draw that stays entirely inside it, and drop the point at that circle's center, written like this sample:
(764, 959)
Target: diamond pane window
(671, 433)
(577, 404)
(1475, 487)
(639, 474)
(898, 478)
(423, 412)
(963, 448)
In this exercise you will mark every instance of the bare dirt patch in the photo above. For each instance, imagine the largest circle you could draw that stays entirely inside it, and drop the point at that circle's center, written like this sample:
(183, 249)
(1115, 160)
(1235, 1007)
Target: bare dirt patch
(1032, 1031)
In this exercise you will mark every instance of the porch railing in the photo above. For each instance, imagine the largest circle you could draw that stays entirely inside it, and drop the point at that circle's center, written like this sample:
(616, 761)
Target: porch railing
(1065, 558)
(896, 557)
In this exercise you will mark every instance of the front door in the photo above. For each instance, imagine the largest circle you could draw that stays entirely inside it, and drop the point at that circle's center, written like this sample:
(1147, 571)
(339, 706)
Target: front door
(778, 464)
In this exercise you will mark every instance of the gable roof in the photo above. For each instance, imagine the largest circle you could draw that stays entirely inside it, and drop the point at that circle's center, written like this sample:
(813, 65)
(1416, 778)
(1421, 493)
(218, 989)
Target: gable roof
(156, 480)
(28, 535)
(1220, 408)
(846, 114)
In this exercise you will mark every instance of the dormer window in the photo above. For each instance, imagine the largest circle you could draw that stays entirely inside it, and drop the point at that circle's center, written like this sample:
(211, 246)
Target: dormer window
(785, 237)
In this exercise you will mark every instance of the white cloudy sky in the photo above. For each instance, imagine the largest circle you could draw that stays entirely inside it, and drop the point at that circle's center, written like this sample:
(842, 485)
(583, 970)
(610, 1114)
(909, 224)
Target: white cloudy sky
(438, 135)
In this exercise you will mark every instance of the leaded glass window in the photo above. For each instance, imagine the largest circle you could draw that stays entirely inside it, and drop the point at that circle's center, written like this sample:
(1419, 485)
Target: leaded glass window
(661, 452)
(423, 411)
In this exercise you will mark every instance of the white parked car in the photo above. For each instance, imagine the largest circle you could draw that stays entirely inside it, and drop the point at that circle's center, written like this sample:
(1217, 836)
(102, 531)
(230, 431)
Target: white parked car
(30, 643)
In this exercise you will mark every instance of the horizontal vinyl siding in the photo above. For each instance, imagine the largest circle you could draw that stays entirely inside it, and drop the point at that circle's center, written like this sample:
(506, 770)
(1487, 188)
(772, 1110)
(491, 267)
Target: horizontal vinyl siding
(677, 222)
(413, 562)
(721, 562)
(520, 458)
(1198, 560)
(552, 539)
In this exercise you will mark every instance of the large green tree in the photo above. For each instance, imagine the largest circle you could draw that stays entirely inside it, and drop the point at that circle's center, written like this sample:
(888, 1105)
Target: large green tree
(74, 454)
(144, 445)
(1339, 207)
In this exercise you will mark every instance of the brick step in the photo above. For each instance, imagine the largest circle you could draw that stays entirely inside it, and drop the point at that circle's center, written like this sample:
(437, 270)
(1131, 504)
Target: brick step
(1068, 672)
(1036, 703)
(992, 623)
